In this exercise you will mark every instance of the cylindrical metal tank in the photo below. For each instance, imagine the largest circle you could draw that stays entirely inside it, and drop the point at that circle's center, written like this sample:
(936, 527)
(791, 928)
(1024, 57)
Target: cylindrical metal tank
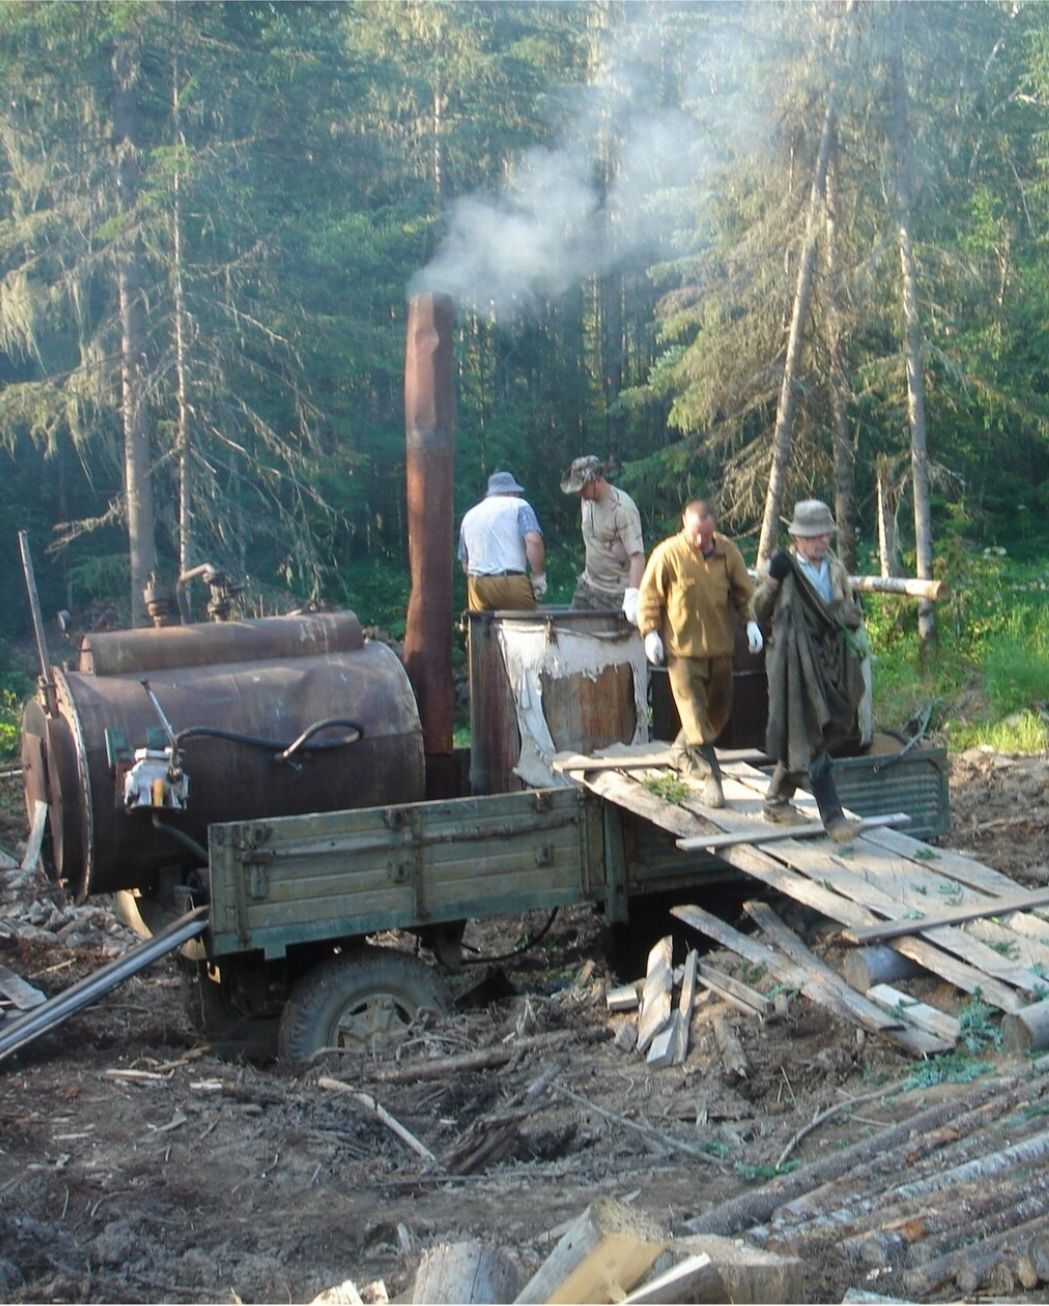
(267, 680)
(582, 709)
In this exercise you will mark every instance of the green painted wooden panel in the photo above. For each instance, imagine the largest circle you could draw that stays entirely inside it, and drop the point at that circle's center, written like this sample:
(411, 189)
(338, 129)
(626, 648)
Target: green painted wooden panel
(334, 875)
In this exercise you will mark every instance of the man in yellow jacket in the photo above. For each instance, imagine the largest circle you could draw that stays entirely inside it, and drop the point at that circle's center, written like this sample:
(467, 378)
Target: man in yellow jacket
(693, 592)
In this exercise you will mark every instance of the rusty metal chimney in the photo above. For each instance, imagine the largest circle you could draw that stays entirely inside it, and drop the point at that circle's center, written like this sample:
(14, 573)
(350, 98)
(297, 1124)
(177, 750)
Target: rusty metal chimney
(429, 414)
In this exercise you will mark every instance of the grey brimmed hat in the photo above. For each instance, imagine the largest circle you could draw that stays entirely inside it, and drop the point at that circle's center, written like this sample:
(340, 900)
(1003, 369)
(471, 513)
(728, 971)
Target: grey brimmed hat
(812, 517)
(582, 472)
(503, 483)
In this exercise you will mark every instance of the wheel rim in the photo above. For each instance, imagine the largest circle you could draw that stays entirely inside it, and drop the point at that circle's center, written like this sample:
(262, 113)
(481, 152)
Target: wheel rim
(371, 1023)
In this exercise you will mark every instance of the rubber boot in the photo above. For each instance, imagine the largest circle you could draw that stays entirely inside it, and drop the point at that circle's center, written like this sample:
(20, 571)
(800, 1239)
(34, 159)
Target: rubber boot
(839, 827)
(777, 808)
(713, 794)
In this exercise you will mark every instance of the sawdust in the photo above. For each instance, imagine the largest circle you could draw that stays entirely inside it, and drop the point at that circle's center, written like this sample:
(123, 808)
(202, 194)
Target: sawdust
(202, 1179)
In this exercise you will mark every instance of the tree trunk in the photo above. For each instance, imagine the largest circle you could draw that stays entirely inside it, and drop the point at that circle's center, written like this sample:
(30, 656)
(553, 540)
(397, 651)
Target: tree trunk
(138, 484)
(887, 517)
(783, 435)
(182, 439)
(844, 468)
(913, 342)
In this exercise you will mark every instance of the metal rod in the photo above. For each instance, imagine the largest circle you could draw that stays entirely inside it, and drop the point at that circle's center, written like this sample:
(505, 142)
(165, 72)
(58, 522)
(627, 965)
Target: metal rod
(23, 1029)
(47, 675)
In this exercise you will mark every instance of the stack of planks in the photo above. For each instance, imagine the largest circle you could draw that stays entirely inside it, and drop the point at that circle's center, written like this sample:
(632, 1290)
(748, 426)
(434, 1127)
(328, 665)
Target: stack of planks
(907, 908)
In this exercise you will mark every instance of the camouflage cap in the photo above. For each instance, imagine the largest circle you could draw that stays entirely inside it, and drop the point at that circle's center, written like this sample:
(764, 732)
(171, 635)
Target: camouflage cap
(582, 472)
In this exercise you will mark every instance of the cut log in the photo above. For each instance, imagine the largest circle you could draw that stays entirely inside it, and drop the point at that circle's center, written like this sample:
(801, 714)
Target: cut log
(656, 998)
(691, 1280)
(751, 1208)
(746, 1274)
(605, 1253)
(863, 968)
(465, 1272)
(733, 1058)
(341, 1294)
(623, 998)
(1026, 1030)
(953, 916)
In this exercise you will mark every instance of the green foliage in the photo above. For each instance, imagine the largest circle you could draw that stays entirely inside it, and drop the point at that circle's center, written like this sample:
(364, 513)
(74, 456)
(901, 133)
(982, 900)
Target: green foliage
(977, 1028)
(671, 788)
(764, 1172)
(957, 1067)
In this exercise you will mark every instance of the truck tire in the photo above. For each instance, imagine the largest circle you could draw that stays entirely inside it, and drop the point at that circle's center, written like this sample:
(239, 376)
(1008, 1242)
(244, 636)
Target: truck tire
(363, 1000)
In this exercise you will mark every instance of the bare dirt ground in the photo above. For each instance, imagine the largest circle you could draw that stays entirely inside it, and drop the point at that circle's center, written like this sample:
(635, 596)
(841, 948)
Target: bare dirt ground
(201, 1179)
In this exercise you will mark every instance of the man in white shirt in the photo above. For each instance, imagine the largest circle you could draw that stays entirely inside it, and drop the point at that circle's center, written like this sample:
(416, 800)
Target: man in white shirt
(615, 549)
(499, 542)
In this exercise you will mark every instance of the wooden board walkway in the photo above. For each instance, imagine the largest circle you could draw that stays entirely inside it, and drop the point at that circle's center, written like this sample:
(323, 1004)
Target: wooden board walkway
(984, 936)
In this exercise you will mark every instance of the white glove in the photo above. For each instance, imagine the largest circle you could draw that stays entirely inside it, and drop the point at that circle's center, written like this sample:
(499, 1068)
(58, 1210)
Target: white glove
(539, 585)
(754, 641)
(630, 606)
(654, 648)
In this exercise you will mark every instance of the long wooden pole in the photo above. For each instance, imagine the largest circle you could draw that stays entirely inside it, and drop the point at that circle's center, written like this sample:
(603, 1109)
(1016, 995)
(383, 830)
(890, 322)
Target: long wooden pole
(906, 586)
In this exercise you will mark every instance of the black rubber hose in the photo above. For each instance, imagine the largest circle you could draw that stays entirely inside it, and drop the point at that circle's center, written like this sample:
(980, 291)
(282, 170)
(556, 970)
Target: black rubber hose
(277, 746)
(182, 837)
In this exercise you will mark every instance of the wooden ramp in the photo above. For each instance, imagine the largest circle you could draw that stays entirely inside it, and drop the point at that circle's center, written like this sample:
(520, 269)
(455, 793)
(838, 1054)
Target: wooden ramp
(926, 898)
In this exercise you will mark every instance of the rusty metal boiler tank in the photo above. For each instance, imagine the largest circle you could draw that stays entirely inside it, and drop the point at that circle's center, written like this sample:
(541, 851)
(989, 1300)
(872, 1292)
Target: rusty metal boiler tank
(236, 695)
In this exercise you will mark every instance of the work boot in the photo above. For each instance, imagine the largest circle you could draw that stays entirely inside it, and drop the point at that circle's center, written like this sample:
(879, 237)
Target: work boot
(713, 794)
(840, 828)
(777, 808)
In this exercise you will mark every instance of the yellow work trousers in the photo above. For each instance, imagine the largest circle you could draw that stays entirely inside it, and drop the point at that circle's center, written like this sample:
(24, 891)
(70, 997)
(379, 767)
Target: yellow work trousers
(702, 689)
(486, 593)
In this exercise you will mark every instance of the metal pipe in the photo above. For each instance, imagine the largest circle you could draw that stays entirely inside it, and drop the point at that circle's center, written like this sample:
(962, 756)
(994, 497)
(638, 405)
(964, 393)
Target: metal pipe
(47, 675)
(23, 1029)
(429, 418)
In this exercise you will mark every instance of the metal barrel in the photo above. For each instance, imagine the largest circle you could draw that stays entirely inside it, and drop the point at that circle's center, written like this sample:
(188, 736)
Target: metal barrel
(264, 682)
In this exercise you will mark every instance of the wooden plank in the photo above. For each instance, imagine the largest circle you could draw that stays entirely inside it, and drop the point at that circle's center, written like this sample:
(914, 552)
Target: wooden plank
(683, 1282)
(953, 916)
(912, 884)
(970, 968)
(727, 986)
(917, 1013)
(846, 912)
(776, 833)
(19, 991)
(656, 996)
(860, 1010)
(686, 1000)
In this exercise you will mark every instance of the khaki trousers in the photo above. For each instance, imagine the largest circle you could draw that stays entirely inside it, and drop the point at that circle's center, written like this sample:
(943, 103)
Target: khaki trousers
(702, 689)
(486, 593)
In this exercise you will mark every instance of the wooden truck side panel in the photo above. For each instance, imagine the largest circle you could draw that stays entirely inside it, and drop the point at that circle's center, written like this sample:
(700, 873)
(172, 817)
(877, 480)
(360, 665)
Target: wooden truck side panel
(335, 875)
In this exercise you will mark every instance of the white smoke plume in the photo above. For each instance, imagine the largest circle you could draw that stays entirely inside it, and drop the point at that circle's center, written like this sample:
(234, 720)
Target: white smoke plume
(564, 214)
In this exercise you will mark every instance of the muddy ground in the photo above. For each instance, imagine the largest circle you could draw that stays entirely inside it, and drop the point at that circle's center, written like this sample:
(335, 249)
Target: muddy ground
(197, 1178)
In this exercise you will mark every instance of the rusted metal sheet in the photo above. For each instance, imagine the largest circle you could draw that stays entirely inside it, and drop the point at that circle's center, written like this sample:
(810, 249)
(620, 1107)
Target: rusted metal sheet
(275, 884)
(98, 847)
(582, 712)
(429, 417)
